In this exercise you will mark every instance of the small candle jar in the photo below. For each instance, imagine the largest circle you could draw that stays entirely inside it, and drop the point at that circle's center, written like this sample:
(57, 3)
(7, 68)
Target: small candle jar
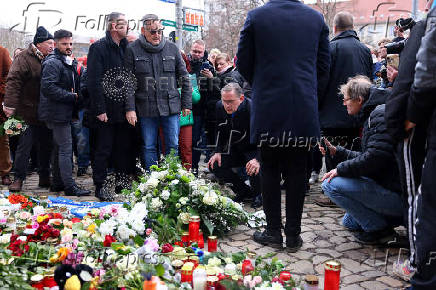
(212, 282)
(185, 239)
(332, 275)
(212, 244)
(200, 239)
(247, 267)
(199, 278)
(311, 282)
(252, 257)
(187, 272)
(285, 276)
(194, 228)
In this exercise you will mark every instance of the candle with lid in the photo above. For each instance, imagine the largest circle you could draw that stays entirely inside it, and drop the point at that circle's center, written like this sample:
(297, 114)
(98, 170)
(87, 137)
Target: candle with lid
(194, 228)
(332, 275)
(311, 282)
(185, 239)
(199, 278)
(187, 272)
(212, 244)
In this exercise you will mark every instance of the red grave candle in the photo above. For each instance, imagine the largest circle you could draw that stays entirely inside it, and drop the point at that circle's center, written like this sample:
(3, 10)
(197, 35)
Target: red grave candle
(194, 228)
(200, 240)
(185, 239)
(332, 275)
(212, 244)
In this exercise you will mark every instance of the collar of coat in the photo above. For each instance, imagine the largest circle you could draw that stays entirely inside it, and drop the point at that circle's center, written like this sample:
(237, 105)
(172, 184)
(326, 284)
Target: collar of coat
(345, 34)
(61, 57)
(150, 48)
(123, 42)
(35, 51)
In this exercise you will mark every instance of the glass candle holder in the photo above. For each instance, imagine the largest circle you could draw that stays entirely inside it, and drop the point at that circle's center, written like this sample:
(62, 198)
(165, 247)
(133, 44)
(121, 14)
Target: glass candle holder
(187, 272)
(247, 267)
(332, 275)
(200, 239)
(212, 244)
(194, 228)
(185, 239)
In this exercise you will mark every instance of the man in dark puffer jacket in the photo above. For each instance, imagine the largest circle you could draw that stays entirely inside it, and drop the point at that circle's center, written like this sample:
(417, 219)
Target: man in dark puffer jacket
(366, 183)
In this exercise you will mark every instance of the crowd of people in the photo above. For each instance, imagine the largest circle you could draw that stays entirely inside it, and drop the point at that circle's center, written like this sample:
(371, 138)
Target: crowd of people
(264, 120)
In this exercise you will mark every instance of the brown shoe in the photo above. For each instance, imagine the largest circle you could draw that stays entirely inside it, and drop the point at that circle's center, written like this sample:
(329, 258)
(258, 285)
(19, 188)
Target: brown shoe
(6, 180)
(325, 202)
(16, 185)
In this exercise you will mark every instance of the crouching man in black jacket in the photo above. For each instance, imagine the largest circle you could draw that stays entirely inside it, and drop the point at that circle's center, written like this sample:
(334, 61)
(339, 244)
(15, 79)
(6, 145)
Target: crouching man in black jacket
(59, 102)
(366, 184)
(233, 144)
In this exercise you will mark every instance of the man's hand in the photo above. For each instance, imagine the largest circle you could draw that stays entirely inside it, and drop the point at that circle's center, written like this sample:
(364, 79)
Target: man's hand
(131, 117)
(329, 145)
(102, 117)
(186, 112)
(252, 167)
(408, 125)
(392, 73)
(330, 175)
(215, 158)
(8, 111)
(206, 73)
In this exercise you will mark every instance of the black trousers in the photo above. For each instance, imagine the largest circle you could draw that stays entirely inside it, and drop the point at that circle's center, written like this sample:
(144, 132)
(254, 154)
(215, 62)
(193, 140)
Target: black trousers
(42, 137)
(112, 144)
(291, 164)
(225, 174)
(345, 137)
(425, 226)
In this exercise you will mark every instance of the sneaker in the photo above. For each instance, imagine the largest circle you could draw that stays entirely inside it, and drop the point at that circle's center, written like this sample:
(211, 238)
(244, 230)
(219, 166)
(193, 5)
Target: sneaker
(381, 237)
(325, 202)
(293, 244)
(76, 190)
(267, 238)
(314, 177)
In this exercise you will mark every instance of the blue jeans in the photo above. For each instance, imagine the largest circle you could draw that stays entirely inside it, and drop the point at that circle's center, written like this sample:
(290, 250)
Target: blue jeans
(367, 204)
(149, 128)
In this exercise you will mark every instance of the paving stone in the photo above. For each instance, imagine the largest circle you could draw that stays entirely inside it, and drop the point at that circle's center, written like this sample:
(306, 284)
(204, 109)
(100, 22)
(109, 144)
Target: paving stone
(229, 249)
(322, 244)
(308, 237)
(302, 255)
(317, 227)
(338, 240)
(334, 254)
(240, 244)
(372, 274)
(353, 279)
(354, 266)
(319, 259)
(348, 246)
(352, 287)
(325, 234)
(301, 267)
(374, 285)
(333, 227)
(241, 237)
(391, 282)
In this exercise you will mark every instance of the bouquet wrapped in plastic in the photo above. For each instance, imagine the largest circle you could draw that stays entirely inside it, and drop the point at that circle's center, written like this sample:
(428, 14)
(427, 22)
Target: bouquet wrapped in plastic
(13, 127)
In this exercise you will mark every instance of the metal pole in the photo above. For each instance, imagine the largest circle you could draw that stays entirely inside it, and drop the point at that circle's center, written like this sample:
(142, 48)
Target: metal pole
(179, 24)
(414, 9)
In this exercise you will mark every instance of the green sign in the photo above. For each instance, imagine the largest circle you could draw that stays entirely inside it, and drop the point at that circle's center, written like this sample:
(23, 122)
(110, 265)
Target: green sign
(190, 27)
(168, 23)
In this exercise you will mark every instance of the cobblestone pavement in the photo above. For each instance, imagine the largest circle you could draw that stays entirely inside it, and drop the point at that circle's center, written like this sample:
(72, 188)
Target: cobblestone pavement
(363, 267)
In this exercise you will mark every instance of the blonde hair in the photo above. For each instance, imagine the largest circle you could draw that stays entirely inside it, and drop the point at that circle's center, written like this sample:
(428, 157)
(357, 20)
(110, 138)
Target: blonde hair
(215, 51)
(224, 56)
(356, 87)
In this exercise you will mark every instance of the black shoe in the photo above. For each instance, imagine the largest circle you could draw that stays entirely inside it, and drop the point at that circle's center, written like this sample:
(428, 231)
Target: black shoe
(44, 181)
(293, 244)
(81, 171)
(381, 237)
(56, 188)
(266, 238)
(325, 202)
(100, 193)
(257, 202)
(77, 191)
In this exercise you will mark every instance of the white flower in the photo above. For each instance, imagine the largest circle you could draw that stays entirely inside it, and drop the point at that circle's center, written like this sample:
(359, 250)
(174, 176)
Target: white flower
(5, 239)
(138, 226)
(38, 210)
(197, 192)
(95, 211)
(184, 200)
(165, 194)
(4, 202)
(175, 182)
(139, 211)
(67, 235)
(142, 187)
(184, 217)
(25, 215)
(210, 198)
(178, 205)
(124, 233)
(107, 228)
(156, 203)
(276, 286)
(152, 182)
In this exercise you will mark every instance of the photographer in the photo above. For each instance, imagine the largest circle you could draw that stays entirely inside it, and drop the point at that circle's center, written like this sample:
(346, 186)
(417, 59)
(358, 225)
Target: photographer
(397, 45)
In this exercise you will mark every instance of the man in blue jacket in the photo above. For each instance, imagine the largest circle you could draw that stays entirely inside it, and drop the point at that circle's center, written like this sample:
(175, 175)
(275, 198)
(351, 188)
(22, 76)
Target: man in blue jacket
(58, 105)
(283, 53)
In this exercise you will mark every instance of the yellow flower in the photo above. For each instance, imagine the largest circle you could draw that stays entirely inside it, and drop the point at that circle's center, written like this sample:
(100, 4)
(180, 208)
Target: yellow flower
(46, 217)
(91, 228)
(40, 219)
(60, 255)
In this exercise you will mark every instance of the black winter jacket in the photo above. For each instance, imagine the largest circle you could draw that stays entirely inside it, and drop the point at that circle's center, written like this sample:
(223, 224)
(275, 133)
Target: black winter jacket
(59, 80)
(233, 131)
(205, 86)
(105, 57)
(423, 102)
(349, 57)
(397, 101)
(376, 161)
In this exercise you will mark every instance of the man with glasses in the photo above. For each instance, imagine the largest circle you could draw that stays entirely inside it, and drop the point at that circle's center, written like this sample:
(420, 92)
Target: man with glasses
(111, 136)
(159, 70)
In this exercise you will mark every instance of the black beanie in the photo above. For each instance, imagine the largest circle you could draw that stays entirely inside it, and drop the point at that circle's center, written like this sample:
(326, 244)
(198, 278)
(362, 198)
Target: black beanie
(41, 35)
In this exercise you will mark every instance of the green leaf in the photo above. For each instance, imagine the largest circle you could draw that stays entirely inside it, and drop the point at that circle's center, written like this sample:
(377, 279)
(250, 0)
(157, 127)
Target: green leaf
(139, 241)
(86, 286)
(238, 257)
(77, 227)
(160, 270)
(209, 225)
(98, 222)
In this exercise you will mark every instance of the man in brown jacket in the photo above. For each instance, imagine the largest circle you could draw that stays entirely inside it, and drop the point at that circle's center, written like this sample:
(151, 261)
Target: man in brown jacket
(22, 99)
(5, 159)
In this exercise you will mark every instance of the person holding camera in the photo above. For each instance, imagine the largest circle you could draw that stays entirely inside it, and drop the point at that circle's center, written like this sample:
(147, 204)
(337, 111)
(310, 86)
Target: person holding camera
(59, 104)
(366, 183)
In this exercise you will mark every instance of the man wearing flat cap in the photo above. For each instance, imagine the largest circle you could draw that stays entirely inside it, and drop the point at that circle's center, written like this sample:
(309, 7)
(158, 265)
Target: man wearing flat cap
(22, 99)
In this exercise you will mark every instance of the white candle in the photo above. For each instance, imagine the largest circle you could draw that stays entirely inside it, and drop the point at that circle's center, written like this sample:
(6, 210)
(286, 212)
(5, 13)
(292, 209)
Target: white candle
(199, 279)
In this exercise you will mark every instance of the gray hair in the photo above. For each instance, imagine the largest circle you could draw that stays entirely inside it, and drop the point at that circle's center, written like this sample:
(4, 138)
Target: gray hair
(112, 18)
(343, 21)
(356, 87)
(149, 19)
(233, 87)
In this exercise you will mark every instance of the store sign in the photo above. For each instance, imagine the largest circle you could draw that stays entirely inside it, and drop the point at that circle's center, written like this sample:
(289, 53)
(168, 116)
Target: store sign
(193, 17)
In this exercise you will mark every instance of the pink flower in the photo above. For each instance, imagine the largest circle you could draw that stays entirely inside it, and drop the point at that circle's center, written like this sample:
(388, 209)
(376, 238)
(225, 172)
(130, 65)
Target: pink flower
(148, 231)
(3, 221)
(151, 244)
(35, 226)
(114, 210)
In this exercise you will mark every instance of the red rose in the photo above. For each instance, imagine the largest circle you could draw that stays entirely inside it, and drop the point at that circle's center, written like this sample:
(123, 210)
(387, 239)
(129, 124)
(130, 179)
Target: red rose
(75, 220)
(167, 248)
(108, 240)
(57, 215)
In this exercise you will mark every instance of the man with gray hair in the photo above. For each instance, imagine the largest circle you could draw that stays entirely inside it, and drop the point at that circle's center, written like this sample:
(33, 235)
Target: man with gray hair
(111, 135)
(159, 70)
(349, 57)
(233, 145)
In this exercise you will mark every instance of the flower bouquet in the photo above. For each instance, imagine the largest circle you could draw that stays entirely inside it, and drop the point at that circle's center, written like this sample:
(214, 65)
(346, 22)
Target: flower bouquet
(13, 127)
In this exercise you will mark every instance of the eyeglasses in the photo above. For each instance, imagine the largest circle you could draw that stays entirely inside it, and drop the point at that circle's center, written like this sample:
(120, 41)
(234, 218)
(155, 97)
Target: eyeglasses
(153, 32)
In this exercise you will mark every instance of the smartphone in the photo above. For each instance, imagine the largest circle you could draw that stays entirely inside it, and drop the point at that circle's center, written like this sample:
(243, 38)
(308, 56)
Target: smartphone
(206, 65)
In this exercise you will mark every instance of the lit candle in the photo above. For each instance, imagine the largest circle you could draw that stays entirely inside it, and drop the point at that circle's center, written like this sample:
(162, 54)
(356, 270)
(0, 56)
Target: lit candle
(199, 278)
(212, 244)
(332, 275)
(187, 272)
(185, 239)
(194, 228)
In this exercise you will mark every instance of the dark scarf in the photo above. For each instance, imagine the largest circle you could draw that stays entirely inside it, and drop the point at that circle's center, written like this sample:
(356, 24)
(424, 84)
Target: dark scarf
(150, 47)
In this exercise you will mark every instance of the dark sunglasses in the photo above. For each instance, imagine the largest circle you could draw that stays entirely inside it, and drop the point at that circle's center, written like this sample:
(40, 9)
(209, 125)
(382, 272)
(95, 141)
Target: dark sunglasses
(153, 32)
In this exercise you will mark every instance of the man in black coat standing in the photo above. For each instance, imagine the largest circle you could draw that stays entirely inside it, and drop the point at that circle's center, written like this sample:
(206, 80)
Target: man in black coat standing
(111, 135)
(58, 105)
(284, 116)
